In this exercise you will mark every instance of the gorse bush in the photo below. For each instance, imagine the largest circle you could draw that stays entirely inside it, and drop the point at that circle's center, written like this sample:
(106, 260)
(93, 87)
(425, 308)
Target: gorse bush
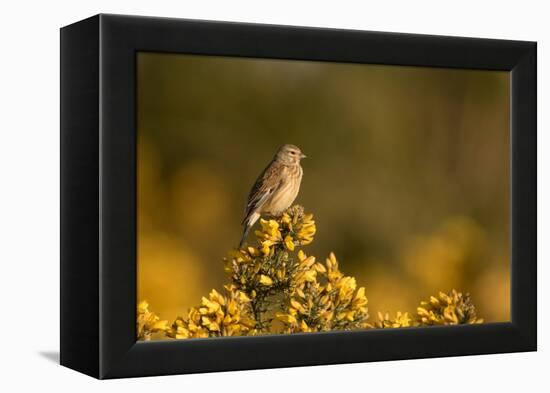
(453, 308)
(276, 287)
(148, 322)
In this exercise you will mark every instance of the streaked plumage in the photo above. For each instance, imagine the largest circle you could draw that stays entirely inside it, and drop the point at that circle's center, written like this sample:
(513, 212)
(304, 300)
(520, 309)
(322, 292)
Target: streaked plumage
(276, 187)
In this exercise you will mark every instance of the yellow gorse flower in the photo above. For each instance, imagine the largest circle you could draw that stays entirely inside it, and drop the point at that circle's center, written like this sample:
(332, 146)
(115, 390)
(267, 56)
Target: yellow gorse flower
(265, 280)
(289, 243)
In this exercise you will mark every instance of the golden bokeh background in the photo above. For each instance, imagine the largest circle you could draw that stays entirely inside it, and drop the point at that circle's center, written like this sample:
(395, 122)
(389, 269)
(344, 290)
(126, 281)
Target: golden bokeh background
(407, 173)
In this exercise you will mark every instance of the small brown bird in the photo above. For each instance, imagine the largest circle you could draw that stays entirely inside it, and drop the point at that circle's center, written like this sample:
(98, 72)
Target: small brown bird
(276, 187)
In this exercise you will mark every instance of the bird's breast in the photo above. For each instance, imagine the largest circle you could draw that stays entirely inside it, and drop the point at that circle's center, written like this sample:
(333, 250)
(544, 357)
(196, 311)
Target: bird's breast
(284, 196)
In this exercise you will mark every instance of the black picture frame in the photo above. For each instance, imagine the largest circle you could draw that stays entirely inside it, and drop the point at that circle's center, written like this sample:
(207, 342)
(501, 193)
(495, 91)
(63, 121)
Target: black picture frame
(98, 195)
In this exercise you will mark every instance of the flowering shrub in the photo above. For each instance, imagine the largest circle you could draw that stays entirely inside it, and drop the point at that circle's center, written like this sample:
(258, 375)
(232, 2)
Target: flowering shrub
(148, 322)
(451, 308)
(323, 299)
(275, 287)
(400, 320)
(217, 315)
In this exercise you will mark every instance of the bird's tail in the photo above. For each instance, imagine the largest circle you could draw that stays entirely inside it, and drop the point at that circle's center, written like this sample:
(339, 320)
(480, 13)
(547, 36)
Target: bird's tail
(248, 223)
(245, 234)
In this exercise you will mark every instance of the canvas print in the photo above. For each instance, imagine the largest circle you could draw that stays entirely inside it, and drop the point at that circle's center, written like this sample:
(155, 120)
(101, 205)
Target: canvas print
(283, 196)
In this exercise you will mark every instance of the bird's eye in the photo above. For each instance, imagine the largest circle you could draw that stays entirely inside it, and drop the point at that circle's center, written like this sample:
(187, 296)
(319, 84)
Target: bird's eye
(292, 153)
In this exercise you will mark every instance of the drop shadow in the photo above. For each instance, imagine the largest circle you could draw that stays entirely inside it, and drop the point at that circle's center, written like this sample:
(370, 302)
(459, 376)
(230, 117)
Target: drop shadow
(52, 356)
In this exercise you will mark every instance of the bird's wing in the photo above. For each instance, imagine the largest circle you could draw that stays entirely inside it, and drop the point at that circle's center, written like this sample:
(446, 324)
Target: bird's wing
(265, 185)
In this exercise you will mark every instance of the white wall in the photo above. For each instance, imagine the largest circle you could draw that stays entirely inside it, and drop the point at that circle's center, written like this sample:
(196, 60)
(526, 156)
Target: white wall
(29, 196)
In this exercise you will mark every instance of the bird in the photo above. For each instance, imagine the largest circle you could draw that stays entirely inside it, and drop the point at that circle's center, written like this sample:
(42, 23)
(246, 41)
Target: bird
(275, 189)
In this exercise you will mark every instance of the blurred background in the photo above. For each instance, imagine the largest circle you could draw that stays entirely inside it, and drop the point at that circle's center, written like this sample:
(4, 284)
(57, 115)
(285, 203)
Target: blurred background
(407, 173)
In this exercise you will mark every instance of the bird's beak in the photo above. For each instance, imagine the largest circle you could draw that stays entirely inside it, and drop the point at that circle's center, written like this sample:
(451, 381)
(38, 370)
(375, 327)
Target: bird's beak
(302, 155)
